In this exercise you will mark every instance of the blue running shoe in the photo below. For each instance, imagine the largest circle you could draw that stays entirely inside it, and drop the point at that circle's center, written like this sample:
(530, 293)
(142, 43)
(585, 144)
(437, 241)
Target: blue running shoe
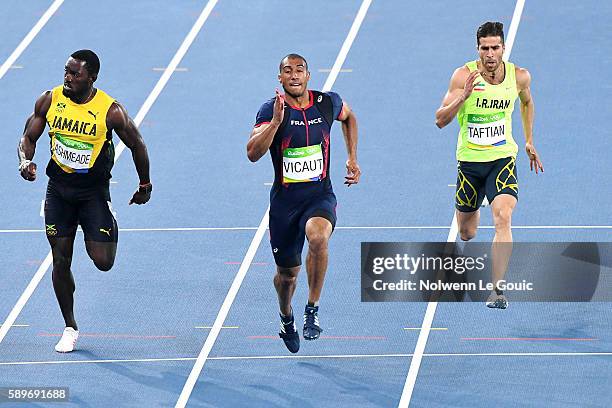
(497, 301)
(312, 330)
(289, 334)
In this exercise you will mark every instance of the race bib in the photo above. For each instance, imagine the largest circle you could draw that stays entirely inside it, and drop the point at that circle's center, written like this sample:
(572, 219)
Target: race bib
(72, 153)
(302, 164)
(485, 131)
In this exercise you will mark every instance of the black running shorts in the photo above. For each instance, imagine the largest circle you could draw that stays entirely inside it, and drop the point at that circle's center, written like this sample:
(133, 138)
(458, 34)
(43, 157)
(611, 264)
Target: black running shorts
(475, 180)
(66, 207)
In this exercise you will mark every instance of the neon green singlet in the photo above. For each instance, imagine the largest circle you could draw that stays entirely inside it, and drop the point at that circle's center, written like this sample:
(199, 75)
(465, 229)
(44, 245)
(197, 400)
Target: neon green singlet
(485, 120)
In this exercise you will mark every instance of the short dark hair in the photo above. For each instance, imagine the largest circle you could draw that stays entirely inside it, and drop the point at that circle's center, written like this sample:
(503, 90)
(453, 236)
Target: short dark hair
(289, 56)
(92, 62)
(490, 29)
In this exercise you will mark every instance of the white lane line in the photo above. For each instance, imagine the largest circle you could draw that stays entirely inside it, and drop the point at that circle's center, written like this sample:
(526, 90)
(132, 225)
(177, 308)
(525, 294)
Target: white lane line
(482, 227)
(354, 227)
(415, 362)
(420, 328)
(42, 208)
(329, 70)
(20, 231)
(29, 37)
(348, 42)
(178, 69)
(231, 295)
(190, 229)
(555, 354)
(172, 66)
(514, 24)
(223, 312)
(307, 357)
(137, 360)
(25, 296)
(210, 327)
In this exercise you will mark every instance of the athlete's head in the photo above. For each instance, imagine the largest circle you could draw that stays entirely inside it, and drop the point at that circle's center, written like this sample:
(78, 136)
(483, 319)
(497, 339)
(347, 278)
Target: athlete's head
(80, 72)
(293, 75)
(490, 42)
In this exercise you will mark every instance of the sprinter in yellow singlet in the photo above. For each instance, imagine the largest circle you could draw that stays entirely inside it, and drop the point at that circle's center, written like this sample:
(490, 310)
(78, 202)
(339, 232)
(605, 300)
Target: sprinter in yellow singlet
(81, 120)
(482, 94)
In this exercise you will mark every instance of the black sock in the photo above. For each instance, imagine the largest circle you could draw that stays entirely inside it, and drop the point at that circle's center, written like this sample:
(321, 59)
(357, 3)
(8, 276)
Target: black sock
(286, 319)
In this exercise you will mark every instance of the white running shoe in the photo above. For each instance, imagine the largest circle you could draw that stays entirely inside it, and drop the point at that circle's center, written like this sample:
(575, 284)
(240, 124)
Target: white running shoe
(68, 340)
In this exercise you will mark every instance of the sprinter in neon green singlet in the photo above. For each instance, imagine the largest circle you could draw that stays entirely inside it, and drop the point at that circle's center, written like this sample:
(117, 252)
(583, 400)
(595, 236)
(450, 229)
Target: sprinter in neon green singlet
(482, 94)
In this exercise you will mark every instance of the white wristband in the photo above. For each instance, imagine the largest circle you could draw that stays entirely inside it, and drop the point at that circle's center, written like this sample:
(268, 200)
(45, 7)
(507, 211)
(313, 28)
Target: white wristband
(24, 164)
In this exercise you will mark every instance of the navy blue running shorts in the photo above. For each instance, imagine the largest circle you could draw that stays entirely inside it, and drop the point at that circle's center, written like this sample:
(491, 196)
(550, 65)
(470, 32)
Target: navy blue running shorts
(288, 225)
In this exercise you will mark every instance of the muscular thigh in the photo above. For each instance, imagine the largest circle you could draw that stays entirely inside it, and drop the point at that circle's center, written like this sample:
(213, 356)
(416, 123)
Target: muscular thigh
(61, 212)
(96, 216)
(502, 179)
(469, 193)
(288, 225)
(286, 237)
(323, 206)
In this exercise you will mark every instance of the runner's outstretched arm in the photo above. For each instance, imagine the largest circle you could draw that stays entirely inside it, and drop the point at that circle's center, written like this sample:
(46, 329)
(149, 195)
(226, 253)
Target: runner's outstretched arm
(523, 82)
(118, 120)
(349, 129)
(34, 128)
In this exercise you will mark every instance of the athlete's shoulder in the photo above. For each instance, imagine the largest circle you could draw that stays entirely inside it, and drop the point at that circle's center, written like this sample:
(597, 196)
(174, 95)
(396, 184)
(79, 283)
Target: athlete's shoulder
(334, 97)
(521, 72)
(116, 116)
(104, 95)
(117, 106)
(329, 103)
(523, 77)
(48, 94)
(337, 103)
(43, 102)
(265, 113)
(464, 70)
(470, 66)
(459, 76)
(316, 94)
(54, 93)
(267, 104)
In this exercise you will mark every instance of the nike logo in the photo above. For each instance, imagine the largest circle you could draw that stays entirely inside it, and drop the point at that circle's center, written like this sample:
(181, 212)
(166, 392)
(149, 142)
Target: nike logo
(107, 232)
(93, 114)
